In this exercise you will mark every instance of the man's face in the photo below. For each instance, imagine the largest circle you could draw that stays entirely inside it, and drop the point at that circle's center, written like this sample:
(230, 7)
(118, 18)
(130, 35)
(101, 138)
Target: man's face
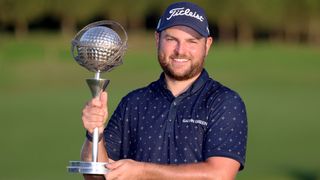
(181, 52)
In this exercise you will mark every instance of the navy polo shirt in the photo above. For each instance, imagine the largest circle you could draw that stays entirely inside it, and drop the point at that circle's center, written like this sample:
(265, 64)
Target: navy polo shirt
(151, 125)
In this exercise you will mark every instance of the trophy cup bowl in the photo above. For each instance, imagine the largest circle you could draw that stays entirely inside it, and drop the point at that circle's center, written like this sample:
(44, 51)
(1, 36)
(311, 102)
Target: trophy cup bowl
(99, 48)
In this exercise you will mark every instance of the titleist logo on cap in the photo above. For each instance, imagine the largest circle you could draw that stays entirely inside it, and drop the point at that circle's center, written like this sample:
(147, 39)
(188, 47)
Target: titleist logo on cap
(184, 12)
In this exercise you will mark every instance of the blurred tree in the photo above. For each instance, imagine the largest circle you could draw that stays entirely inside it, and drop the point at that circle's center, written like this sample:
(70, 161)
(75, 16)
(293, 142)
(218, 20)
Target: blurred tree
(295, 19)
(313, 27)
(19, 13)
(235, 18)
(72, 11)
(137, 12)
(222, 12)
(128, 13)
(246, 13)
(270, 18)
(114, 10)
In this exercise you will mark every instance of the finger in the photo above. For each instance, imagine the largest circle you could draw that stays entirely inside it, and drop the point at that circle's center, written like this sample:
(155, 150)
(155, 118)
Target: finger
(94, 111)
(90, 118)
(103, 99)
(93, 118)
(114, 165)
(111, 175)
(92, 121)
(95, 102)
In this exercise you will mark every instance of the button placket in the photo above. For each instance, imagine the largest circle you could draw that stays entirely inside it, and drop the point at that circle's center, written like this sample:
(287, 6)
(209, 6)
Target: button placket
(172, 116)
(173, 113)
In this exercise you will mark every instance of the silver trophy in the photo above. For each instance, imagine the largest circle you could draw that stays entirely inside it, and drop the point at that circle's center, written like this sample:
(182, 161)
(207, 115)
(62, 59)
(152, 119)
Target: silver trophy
(99, 48)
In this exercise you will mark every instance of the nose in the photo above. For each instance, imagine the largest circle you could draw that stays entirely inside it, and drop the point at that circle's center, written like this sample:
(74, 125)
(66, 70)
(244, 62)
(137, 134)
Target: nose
(180, 48)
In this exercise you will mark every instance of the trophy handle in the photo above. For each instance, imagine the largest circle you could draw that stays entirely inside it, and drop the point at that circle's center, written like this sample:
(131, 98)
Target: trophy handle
(95, 141)
(96, 85)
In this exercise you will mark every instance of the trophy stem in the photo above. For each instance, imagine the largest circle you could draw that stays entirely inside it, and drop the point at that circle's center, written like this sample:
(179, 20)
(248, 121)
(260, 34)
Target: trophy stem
(95, 138)
(97, 75)
(96, 85)
(95, 142)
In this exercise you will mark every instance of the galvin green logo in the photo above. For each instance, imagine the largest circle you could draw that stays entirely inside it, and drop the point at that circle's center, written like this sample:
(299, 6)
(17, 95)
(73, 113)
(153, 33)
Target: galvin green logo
(195, 121)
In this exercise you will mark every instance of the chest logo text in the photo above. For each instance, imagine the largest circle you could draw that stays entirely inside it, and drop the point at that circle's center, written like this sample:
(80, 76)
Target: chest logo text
(195, 121)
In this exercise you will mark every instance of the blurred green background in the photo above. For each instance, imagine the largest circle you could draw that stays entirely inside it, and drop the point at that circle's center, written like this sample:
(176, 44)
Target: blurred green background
(271, 59)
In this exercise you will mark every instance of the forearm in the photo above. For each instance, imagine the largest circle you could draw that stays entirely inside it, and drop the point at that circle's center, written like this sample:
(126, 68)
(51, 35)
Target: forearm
(86, 155)
(203, 170)
(190, 171)
(86, 152)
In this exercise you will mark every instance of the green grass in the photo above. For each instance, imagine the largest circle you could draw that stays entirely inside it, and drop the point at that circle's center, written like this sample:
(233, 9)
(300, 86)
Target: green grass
(42, 91)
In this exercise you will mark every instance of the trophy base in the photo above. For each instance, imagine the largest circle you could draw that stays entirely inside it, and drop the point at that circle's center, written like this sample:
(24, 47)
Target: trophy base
(87, 167)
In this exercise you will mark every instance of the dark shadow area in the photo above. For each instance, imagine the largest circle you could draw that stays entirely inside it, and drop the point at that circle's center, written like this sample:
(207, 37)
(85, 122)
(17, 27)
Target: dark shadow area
(98, 17)
(261, 34)
(151, 21)
(46, 22)
(302, 174)
(214, 31)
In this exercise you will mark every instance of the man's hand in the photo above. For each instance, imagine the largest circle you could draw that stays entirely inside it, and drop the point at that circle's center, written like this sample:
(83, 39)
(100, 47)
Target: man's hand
(124, 169)
(214, 168)
(95, 113)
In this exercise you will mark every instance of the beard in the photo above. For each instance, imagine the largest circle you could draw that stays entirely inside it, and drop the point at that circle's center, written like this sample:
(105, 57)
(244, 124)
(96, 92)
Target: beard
(195, 68)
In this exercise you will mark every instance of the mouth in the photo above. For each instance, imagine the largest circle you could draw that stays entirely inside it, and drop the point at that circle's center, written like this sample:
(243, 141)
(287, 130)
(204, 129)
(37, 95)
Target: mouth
(180, 59)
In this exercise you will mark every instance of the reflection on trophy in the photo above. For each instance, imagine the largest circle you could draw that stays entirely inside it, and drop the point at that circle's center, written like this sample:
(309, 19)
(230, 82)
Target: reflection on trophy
(99, 48)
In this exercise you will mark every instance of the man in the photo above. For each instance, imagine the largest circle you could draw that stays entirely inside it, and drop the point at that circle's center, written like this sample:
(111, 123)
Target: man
(184, 125)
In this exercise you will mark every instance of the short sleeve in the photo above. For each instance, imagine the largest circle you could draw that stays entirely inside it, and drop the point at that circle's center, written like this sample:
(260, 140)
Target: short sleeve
(226, 135)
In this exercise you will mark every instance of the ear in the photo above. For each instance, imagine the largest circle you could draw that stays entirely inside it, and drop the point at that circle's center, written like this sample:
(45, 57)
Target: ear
(208, 44)
(157, 37)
